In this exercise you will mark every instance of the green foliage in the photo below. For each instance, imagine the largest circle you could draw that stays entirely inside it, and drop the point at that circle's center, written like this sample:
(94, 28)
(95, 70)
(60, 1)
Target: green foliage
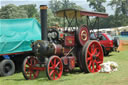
(12, 11)
(31, 10)
(113, 21)
(97, 5)
(120, 18)
(121, 6)
(52, 20)
(121, 14)
(56, 5)
(66, 4)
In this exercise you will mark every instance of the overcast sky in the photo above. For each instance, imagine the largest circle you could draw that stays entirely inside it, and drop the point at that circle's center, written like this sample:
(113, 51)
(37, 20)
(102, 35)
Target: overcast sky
(82, 3)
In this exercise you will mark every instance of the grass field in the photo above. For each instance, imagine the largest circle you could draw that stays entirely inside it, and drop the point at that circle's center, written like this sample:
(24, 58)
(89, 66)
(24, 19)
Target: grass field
(79, 78)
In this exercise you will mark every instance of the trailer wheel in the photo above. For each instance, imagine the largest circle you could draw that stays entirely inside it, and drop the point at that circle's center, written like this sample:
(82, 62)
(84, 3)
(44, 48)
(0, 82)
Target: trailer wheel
(54, 68)
(92, 56)
(7, 67)
(29, 68)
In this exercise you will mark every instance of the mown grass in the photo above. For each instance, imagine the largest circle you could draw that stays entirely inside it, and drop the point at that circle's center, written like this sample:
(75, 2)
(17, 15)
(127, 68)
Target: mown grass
(79, 78)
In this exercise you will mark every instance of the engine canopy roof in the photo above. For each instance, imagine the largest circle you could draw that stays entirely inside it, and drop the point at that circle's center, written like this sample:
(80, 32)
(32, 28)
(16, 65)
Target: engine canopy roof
(70, 13)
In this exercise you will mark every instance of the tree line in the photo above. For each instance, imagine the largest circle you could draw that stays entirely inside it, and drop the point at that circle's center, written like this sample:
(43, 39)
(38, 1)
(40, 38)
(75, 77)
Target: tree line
(120, 7)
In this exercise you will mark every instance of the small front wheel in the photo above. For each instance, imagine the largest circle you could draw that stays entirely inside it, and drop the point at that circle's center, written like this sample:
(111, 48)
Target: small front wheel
(54, 68)
(29, 68)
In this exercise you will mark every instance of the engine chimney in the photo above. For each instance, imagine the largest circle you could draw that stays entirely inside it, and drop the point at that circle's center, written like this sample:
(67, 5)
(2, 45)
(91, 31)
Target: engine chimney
(43, 16)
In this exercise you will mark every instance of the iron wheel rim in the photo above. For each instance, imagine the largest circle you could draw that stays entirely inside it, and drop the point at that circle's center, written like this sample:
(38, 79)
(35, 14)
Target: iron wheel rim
(54, 68)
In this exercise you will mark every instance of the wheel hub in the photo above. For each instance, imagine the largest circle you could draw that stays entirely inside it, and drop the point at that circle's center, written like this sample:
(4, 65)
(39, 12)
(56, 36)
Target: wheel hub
(94, 57)
(56, 68)
(83, 35)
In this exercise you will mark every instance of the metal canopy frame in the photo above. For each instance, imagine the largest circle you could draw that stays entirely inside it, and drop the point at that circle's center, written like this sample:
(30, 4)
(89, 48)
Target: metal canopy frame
(75, 14)
(65, 18)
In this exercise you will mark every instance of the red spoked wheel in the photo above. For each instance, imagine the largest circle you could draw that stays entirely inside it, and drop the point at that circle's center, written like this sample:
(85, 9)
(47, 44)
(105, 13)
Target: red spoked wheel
(92, 55)
(54, 68)
(82, 35)
(28, 68)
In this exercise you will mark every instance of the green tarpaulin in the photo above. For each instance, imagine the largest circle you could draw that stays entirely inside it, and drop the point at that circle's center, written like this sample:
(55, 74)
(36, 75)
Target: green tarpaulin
(16, 34)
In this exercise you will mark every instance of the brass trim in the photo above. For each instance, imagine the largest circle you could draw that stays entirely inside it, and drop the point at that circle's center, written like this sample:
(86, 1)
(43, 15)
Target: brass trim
(43, 7)
(84, 33)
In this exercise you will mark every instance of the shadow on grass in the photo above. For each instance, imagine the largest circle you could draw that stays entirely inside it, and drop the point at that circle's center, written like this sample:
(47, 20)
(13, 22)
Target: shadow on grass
(23, 79)
(74, 71)
(15, 79)
(43, 77)
(108, 55)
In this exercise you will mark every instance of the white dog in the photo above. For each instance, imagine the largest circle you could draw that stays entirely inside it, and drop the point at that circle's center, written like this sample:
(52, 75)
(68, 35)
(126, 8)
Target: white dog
(109, 67)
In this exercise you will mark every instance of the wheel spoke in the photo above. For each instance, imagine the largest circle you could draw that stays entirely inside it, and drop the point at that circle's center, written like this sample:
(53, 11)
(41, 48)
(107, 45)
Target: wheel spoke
(27, 68)
(89, 58)
(51, 68)
(54, 74)
(89, 65)
(93, 67)
(57, 64)
(33, 74)
(30, 75)
(95, 50)
(52, 63)
(60, 68)
(51, 72)
(99, 62)
(28, 63)
(57, 73)
(55, 61)
(97, 54)
(89, 53)
(28, 72)
(97, 65)
(91, 49)
(35, 62)
(31, 61)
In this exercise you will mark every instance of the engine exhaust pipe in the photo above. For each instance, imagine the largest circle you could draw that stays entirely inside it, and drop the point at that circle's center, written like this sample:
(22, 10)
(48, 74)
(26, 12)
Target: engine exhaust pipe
(43, 19)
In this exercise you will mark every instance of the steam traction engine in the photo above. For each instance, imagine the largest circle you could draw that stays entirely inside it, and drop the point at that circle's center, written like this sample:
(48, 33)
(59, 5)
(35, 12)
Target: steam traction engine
(62, 48)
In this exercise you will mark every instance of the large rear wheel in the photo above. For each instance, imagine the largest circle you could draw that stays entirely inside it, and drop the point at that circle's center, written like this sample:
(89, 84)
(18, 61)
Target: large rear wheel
(92, 56)
(28, 68)
(54, 68)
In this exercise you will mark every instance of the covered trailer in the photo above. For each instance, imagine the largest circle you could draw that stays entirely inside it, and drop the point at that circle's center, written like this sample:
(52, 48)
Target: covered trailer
(16, 36)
